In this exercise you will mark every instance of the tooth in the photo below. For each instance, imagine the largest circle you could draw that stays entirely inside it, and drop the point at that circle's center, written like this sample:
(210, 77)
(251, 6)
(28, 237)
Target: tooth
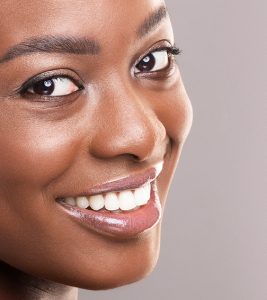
(82, 202)
(126, 200)
(70, 201)
(159, 167)
(96, 202)
(140, 196)
(111, 201)
(147, 189)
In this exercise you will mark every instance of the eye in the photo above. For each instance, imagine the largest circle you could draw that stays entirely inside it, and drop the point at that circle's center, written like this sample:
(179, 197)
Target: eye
(53, 86)
(154, 61)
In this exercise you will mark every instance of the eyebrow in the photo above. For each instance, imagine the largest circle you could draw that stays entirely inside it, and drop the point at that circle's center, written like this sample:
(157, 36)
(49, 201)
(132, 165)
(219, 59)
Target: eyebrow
(52, 44)
(75, 45)
(152, 21)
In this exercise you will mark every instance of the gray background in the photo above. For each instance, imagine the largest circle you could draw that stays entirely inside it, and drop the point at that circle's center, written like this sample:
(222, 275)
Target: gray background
(214, 239)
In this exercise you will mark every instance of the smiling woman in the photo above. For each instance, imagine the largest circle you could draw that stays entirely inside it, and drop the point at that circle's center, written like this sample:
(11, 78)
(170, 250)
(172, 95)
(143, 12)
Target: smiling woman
(93, 117)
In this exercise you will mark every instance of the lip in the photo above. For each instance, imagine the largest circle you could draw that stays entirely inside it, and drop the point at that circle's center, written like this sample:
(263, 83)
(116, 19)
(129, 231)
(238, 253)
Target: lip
(125, 183)
(125, 224)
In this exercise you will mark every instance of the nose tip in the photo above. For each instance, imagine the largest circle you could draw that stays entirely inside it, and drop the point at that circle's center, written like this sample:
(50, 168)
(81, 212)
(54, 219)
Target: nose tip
(130, 130)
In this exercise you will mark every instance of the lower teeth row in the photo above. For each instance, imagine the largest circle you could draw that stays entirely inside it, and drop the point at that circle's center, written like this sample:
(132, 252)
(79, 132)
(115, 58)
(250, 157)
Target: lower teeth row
(124, 200)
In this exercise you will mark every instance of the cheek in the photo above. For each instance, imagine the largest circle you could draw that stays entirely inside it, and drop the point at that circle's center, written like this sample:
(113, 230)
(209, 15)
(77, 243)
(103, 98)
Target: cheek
(174, 110)
(34, 154)
(176, 114)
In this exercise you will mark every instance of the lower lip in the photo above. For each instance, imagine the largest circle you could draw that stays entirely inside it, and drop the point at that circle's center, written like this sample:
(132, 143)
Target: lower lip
(121, 225)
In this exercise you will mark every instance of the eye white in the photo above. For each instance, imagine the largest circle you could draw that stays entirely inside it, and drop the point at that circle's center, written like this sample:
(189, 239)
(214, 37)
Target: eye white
(60, 86)
(63, 86)
(161, 60)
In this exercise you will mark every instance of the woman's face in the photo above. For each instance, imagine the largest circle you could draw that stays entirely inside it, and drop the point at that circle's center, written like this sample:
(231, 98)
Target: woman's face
(91, 103)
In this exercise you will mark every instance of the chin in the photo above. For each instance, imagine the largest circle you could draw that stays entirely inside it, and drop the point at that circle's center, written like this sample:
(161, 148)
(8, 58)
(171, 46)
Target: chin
(118, 279)
(119, 267)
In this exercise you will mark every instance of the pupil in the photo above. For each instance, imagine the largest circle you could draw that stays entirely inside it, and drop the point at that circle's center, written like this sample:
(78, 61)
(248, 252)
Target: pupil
(44, 87)
(147, 63)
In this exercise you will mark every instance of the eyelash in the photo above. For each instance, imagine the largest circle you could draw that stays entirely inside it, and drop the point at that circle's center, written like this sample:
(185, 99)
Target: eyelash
(47, 76)
(171, 52)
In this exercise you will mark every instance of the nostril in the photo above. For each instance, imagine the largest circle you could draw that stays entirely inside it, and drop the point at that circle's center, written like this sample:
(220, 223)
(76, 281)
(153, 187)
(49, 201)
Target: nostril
(134, 157)
(131, 157)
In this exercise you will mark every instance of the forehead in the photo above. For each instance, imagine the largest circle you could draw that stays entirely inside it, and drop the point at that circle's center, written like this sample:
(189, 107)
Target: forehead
(99, 18)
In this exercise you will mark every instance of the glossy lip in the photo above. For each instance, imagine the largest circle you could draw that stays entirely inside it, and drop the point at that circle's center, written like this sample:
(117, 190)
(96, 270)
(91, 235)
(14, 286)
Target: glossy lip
(125, 224)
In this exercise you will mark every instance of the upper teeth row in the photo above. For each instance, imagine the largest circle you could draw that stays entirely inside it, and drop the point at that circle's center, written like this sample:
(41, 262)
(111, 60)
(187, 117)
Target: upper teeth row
(124, 200)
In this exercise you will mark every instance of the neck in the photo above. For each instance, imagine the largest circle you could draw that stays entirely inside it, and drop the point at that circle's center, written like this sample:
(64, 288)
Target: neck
(15, 284)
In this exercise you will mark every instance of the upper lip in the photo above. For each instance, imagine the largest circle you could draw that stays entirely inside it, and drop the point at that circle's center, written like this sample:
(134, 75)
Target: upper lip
(125, 183)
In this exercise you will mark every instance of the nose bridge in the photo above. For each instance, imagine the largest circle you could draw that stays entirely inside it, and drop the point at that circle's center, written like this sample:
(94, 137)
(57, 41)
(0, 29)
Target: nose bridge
(127, 125)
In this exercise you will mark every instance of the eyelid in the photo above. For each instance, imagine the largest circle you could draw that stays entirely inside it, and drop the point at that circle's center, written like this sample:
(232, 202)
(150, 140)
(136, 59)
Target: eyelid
(162, 44)
(159, 46)
(171, 49)
(49, 75)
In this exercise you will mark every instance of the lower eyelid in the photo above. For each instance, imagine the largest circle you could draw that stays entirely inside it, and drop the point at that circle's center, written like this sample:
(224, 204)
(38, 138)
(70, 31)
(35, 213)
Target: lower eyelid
(53, 100)
(161, 74)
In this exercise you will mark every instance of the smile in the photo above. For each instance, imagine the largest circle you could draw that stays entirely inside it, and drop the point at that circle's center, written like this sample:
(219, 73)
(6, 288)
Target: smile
(113, 201)
(123, 208)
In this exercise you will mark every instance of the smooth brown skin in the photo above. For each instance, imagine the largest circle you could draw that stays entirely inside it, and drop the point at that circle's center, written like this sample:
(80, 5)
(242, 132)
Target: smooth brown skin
(119, 125)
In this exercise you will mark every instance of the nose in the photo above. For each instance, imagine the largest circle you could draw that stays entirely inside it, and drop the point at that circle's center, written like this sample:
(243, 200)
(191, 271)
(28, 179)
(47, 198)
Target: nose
(127, 125)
